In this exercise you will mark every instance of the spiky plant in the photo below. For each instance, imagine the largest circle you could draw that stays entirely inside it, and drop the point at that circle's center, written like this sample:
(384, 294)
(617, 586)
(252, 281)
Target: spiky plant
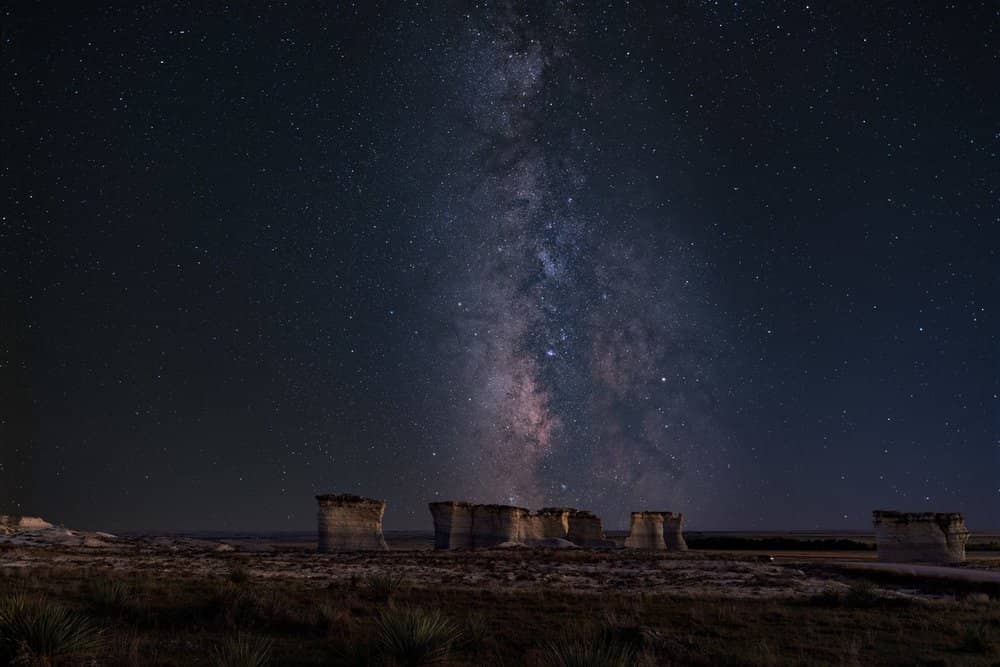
(110, 594)
(977, 638)
(384, 586)
(238, 573)
(34, 630)
(477, 632)
(242, 651)
(588, 652)
(414, 637)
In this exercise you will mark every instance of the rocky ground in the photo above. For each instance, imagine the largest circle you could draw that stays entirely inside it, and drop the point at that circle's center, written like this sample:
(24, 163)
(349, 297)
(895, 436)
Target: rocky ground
(190, 599)
(733, 574)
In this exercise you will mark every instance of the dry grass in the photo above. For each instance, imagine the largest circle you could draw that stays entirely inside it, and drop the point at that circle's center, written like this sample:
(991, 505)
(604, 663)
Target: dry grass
(151, 619)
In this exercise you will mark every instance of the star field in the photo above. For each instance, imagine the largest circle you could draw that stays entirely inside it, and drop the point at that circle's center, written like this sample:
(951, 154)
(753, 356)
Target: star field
(731, 260)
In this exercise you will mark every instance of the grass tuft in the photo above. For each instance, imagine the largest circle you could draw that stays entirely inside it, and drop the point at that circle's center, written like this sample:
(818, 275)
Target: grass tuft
(384, 586)
(110, 595)
(477, 632)
(238, 574)
(243, 651)
(415, 637)
(597, 651)
(861, 595)
(33, 630)
(977, 638)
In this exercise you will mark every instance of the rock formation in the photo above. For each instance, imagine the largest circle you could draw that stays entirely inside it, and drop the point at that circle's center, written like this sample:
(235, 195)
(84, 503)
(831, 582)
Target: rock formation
(673, 535)
(452, 524)
(493, 525)
(656, 530)
(585, 530)
(548, 523)
(13, 523)
(350, 523)
(920, 537)
(461, 525)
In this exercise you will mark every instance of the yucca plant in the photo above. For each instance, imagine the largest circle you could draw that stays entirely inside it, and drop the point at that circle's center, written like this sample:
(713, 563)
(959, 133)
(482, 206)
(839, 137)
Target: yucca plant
(330, 616)
(242, 651)
(238, 573)
(109, 594)
(413, 637)
(477, 632)
(977, 639)
(588, 652)
(384, 586)
(34, 630)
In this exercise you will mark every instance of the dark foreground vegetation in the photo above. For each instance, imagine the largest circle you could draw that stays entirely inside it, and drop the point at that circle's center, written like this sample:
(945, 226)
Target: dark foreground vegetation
(73, 616)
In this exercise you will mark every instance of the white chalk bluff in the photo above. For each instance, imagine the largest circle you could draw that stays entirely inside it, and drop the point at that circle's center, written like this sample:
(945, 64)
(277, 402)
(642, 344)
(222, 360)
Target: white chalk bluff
(659, 531)
(14, 523)
(920, 537)
(350, 523)
(462, 525)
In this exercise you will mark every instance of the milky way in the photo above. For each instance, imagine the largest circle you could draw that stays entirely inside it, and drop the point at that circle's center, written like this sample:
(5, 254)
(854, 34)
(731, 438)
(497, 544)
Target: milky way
(736, 260)
(586, 355)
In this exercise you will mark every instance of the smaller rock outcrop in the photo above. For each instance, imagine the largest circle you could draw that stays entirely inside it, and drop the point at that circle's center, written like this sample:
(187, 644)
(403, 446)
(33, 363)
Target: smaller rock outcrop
(15, 523)
(920, 537)
(350, 523)
(659, 531)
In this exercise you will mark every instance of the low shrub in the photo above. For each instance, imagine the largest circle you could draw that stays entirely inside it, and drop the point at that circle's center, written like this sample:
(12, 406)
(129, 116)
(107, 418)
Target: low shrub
(34, 630)
(384, 586)
(977, 638)
(242, 651)
(238, 573)
(415, 637)
(596, 651)
(110, 595)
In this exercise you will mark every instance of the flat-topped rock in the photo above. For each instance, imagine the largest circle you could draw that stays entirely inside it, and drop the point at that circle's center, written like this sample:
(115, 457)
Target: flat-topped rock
(493, 525)
(920, 537)
(452, 524)
(673, 531)
(16, 523)
(548, 523)
(350, 523)
(659, 531)
(462, 525)
(585, 529)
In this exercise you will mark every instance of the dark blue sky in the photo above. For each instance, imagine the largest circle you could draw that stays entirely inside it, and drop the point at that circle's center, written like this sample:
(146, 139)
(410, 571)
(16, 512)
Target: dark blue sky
(737, 261)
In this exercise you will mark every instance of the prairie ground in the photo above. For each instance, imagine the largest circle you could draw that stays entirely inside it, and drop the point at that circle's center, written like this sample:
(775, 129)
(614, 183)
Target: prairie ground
(162, 601)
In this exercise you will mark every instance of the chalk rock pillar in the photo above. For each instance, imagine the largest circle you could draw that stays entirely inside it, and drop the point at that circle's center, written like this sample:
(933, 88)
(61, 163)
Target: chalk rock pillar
(920, 537)
(646, 531)
(452, 524)
(673, 535)
(546, 524)
(496, 524)
(350, 523)
(585, 530)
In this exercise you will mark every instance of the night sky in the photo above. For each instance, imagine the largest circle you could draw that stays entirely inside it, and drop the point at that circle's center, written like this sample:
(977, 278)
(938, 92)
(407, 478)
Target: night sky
(736, 260)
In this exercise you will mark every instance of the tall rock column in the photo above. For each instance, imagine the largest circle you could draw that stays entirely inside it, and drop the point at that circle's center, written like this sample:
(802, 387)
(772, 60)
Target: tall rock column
(350, 523)
(452, 524)
(585, 530)
(920, 537)
(496, 524)
(546, 524)
(673, 535)
(646, 531)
